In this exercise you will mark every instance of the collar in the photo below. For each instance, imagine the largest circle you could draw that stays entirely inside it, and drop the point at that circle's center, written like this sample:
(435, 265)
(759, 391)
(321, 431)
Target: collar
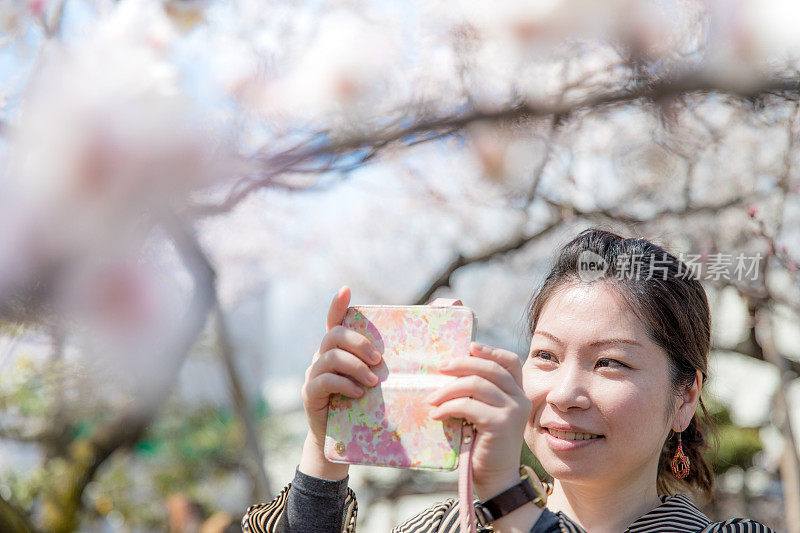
(676, 514)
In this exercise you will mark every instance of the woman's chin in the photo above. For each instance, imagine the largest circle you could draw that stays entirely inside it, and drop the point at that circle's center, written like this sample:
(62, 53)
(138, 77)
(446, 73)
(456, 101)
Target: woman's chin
(575, 466)
(580, 470)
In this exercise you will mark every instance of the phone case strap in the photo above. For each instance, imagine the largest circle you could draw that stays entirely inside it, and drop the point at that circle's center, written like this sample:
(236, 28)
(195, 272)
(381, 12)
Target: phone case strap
(465, 510)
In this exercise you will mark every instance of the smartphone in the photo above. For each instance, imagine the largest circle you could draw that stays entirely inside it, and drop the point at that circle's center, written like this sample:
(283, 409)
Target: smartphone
(390, 425)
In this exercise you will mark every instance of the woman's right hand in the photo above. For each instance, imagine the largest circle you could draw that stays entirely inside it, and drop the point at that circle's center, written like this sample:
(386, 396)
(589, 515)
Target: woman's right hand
(341, 365)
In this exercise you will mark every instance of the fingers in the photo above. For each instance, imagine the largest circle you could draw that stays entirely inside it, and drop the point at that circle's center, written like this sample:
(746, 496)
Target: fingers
(490, 365)
(514, 411)
(338, 361)
(469, 409)
(506, 359)
(486, 392)
(350, 341)
(475, 386)
(319, 389)
(341, 363)
(338, 307)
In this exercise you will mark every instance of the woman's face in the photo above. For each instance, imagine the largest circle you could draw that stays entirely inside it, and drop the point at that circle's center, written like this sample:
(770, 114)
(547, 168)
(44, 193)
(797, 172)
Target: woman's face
(592, 370)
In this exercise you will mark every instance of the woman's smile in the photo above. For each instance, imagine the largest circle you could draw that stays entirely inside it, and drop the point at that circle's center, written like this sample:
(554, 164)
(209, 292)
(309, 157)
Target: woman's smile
(562, 441)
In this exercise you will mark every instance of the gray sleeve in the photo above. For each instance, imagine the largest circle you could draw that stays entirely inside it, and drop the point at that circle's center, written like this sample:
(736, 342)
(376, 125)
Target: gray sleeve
(307, 504)
(314, 505)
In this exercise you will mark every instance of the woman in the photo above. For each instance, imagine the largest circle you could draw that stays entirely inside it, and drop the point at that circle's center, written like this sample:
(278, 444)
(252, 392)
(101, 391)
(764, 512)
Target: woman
(606, 400)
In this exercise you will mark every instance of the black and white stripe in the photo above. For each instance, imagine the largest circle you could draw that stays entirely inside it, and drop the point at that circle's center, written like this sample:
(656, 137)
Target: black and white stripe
(265, 516)
(676, 514)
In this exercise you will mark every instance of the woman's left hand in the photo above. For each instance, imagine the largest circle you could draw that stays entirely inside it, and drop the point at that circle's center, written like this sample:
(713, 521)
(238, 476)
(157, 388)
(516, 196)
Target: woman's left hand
(488, 392)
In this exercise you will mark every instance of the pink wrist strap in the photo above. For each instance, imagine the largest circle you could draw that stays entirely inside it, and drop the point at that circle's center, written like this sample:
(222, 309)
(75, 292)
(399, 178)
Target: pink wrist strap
(465, 510)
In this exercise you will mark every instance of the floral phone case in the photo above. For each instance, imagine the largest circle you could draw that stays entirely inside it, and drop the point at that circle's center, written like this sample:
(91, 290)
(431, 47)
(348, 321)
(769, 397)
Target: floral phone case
(390, 425)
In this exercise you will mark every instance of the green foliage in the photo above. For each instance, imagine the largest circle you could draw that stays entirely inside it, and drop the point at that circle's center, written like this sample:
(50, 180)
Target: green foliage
(118, 489)
(184, 448)
(187, 449)
(12, 329)
(23, 390)
(22, 488)
(29, 402)
(735, 445)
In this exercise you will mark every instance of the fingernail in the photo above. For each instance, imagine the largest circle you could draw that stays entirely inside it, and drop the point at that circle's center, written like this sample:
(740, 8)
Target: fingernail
(445, 365)
(376, 356)
(480, 348)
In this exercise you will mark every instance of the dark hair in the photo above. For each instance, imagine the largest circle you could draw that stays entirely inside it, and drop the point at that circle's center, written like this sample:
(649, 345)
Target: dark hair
(673, 307)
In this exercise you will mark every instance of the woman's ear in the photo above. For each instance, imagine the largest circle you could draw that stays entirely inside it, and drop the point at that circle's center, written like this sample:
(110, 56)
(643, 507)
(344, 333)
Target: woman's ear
(688, 404)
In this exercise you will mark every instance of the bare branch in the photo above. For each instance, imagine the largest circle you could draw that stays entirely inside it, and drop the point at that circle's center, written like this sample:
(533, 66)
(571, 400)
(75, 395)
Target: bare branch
(538, 172)
(627, 219)
(460, 261)
(692, 82)
(563, 211)
(52, 27)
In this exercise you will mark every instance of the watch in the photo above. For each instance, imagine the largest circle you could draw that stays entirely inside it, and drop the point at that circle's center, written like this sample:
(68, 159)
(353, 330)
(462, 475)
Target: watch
(529, 489)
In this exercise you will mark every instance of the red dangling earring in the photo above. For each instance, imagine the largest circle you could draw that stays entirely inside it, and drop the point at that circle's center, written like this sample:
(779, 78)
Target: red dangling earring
(680, 463)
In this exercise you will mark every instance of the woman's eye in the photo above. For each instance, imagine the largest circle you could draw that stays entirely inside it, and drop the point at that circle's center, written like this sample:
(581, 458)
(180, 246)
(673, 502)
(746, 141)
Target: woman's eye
(541, 354)
(602, 363)
(611, 363)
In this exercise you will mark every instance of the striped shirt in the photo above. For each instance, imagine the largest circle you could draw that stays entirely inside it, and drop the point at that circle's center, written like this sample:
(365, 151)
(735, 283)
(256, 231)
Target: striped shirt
(330, 506)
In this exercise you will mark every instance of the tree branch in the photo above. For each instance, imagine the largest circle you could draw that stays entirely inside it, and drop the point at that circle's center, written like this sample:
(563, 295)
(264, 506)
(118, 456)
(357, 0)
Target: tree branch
(207, 285)
(444, 279)
(241, 405)
(627, 219)
(516, 243)
(691, 82)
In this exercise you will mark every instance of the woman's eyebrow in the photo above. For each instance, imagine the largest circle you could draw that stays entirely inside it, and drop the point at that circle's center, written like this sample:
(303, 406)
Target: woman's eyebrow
(549, 336)
(594, 344)
(614, 341)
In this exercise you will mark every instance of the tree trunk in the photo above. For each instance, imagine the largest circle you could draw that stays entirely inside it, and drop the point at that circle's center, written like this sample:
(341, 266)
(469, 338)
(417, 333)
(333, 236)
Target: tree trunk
(261, 486)
(12, 519)
(62, 499)
(790, 464)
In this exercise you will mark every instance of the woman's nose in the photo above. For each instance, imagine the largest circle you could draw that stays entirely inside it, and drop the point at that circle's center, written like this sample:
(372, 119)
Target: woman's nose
(569, 389)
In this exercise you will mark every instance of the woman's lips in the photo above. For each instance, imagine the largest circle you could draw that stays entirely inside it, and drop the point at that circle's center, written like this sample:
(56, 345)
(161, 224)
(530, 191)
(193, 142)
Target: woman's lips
(567, 441)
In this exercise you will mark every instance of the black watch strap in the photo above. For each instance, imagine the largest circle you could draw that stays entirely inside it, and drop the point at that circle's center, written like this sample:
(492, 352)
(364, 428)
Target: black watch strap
(529, 489)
